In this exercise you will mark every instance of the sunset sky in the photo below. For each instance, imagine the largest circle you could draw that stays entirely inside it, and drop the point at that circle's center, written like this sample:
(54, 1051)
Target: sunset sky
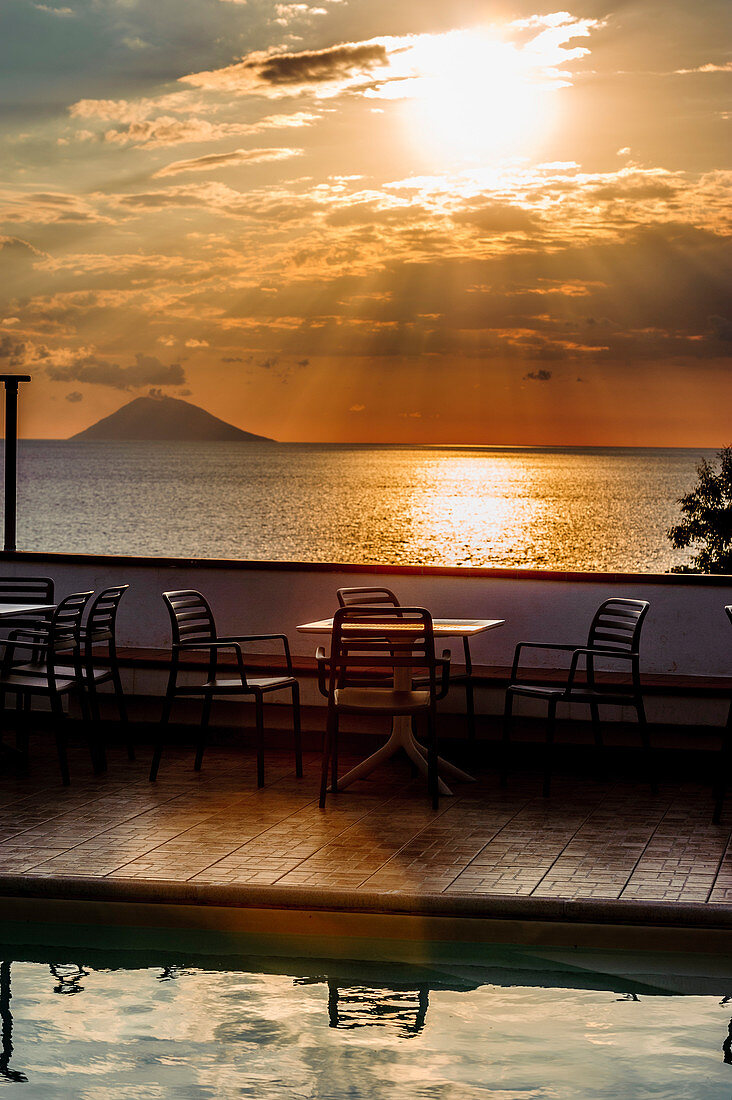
(360, 220)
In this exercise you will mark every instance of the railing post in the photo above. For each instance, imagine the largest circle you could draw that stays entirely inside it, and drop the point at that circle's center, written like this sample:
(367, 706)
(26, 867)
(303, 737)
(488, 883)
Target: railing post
(11, 453)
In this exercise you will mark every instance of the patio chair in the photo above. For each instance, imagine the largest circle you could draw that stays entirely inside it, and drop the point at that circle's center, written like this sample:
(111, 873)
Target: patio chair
(366, 641)
(614, 636)
(361, 597)
(99, 630)
(194, 629)
(726, 756)
(55, 669)
(25, 590)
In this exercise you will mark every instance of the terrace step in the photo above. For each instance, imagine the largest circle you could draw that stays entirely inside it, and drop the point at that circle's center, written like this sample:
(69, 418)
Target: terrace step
(487, 675)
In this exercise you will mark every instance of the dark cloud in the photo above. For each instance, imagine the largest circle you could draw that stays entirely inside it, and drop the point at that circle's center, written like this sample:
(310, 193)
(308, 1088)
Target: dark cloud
(222, 160)
(538, 376)
(318, 66)
(493, 219)
(13, 350)
(74, 396)
(146, 370)
(721, 327)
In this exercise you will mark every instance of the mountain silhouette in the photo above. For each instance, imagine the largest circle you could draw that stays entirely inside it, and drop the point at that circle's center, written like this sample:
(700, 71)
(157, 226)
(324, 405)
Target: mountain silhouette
(164, 418)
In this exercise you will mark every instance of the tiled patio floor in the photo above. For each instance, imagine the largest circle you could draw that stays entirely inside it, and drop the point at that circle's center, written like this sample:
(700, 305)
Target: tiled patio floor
(589, 841)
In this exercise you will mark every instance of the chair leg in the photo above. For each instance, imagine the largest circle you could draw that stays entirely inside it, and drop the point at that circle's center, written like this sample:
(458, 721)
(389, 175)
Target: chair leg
(334, 765)
(22, 722)
(646, 743)
(119, 696)
(158, 750)
(259, 712)
(548, 748)
(296, 729)
(720, 787)
(202, 736)
(92, 718)
(432, 783)
(59, 718)
(597, 732)
(470, 708)
(331, 733)
(507, 730)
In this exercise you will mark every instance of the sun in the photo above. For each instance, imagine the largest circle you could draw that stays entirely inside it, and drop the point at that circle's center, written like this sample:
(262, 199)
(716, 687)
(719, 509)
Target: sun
(474, 95)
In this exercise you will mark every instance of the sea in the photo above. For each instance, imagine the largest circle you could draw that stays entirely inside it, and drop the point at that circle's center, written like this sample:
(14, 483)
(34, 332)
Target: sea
(599, 508)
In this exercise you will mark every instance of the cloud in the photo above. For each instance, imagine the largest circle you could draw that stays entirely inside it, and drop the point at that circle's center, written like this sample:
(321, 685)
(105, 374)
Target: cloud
(708, 68)
(100, 372)
(74, 397)
(156, 133)
(721, 327)
(279, 74)
(493, 219)
(226, 160)
(286, 13)
(13, 350)
(62, 12)
(538, 376)
(357, 408)
(131, 110)
(46, 207)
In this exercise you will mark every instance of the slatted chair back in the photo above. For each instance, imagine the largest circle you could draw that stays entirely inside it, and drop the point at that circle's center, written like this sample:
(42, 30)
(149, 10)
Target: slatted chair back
(27, 590)
(31, 590)
(64, 626)
(358, 597)
(102, 616)
(365, 639)
(617, 625)
(191, 617)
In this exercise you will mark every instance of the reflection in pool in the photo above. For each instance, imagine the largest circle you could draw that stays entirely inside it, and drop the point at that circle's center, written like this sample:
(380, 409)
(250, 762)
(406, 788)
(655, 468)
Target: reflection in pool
(519, 1023)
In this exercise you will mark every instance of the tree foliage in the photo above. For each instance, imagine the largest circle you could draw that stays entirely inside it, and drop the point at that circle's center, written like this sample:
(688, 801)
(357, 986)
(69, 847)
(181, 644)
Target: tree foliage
(707, 522)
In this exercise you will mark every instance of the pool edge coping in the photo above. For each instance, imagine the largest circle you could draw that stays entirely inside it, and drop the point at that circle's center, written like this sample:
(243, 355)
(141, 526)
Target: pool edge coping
(600, 911)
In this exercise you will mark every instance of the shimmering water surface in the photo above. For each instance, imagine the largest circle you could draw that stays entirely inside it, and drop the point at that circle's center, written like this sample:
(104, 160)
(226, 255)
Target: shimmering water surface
(529, 1026)
(599, 509)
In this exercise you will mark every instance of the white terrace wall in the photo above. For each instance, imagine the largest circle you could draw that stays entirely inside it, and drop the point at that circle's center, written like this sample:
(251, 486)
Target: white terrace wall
(687, 632)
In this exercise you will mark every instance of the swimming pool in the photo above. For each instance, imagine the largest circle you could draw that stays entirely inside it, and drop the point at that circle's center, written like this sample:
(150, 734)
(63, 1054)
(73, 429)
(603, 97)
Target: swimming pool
(501, 1023)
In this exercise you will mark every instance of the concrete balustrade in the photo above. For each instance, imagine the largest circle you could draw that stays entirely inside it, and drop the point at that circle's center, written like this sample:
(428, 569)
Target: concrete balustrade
(687, 636)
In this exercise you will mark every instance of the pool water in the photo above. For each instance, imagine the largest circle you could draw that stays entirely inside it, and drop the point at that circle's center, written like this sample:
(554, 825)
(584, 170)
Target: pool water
(501, 1023)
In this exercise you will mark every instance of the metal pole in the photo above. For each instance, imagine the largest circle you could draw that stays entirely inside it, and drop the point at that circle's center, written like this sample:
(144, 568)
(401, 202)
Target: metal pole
(11, 453)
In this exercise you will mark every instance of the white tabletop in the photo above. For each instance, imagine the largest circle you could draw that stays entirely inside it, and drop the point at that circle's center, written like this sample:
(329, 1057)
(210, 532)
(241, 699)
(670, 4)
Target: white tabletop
(443, 628)
(25, 609)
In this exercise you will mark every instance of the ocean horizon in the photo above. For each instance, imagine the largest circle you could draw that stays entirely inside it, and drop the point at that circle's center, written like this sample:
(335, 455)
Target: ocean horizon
(592, 508)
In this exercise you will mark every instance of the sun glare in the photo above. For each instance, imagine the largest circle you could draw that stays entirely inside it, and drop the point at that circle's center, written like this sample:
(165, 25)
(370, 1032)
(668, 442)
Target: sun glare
(476, 96)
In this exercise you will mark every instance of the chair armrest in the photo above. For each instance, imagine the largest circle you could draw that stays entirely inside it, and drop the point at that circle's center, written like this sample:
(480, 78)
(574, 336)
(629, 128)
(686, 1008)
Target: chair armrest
(263, 638)
(566, 648)
(214, 644)
(38, 636)
(444, 663)
(322, 670)
(594, 651)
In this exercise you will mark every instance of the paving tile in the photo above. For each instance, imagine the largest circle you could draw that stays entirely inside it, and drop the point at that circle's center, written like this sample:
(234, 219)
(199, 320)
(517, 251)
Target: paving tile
(588, 841)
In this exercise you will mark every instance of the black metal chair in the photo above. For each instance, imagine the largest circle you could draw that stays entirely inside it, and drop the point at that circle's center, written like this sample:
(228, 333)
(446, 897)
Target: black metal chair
(99, 630)
(193, 629)
(726, 756)
(614, 635)
(54, 670)
(25, 590)
(367, 597)
(365, 641)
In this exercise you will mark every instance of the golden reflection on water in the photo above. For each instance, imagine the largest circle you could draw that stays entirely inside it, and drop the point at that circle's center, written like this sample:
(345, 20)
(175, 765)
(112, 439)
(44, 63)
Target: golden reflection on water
(600, 509)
